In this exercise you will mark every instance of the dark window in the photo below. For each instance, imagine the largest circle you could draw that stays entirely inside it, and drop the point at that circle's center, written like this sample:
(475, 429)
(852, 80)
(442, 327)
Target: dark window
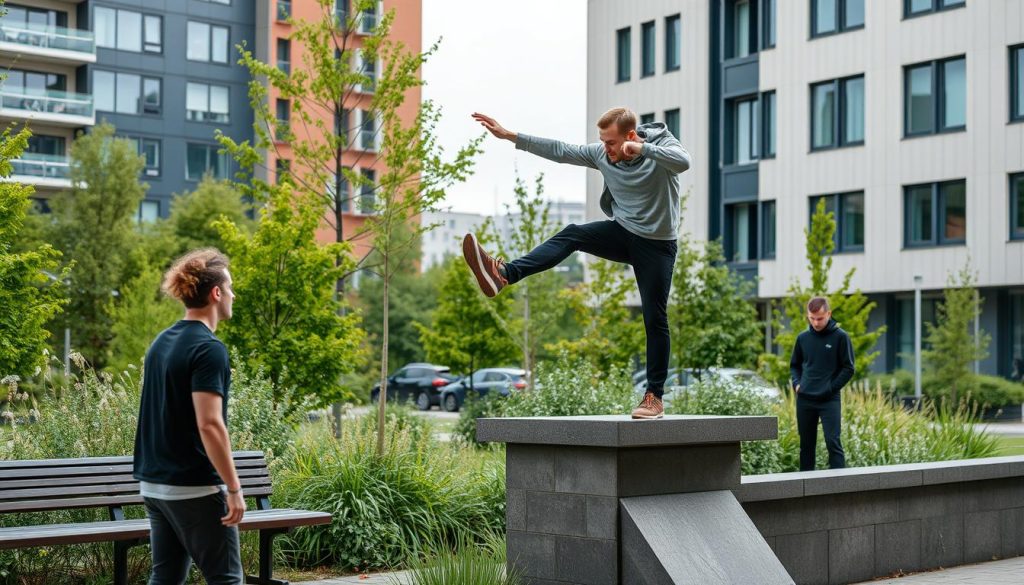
(127, 30)
(149, 149)
(368, 67)
(343, 125)
(284, 55)
(769, 125)
(919, 7)
(833, 16)
(935, 97)
(283, 118)
(33, 82)
(767, 229)
(284, 9)
(1017, 83)
(647, 49)
(1016, 345)
(935, 213)
(151, 97)
(768, 17)
(368, 131)
(744, 130)
(32, 18)
(1017, 206)
(204, 158)
(742, 27)
(126, 93)
(837, 113)
(741, 230)
(673, 42)
(367, 195)
(623, 57)
(848, 212)
(646, 118)
(42, 144)
(281, 169)
(672, 121)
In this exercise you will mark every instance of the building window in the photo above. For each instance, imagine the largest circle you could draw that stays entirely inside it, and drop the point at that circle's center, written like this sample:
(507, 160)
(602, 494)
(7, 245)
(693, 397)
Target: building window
(744, 131)
(281, 169)
(284, 10)
(284, 56)
(29, 82)
(206, 103)
(848, 212)
(647, 49)
(935, 97)
(366, 65)
(741, 231)
(368, 131)
(149, 211)
(905, 327)
(149, 149)
(742, 29)
(207, 42)
(1017, 83)
(768, 13)
(769, 125)
(124, 30)
(1016, 345)
(622, 40)
(767, 229)
(837, 113)
(283, 119)
(833, 16)
(646, 118)
(343, 126)
(24, 17)
(673, 42)
(42, 144)
(367, 194)
(1017, 206)
(935, 214)
(205, 158)
(224, 2)
(368, 19)
(672, 121)
(919, 7)
(126, 93)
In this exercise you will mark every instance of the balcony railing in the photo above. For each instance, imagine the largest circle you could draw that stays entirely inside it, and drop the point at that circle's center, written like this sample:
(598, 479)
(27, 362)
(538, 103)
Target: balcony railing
(43, 166)
(46, 101)
(48, 37)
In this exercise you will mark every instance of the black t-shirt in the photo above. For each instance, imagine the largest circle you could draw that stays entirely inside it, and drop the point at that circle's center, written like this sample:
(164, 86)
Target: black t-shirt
(185, 358)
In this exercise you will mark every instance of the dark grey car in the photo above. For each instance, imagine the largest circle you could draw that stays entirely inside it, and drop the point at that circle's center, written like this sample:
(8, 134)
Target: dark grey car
(502, 380)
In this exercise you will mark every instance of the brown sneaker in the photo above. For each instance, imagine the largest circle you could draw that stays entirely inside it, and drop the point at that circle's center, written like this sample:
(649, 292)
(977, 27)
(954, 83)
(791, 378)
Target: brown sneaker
(650, 407)
(484, 267)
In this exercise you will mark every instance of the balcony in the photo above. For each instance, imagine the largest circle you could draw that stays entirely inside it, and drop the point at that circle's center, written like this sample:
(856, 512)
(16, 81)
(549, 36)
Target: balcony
(44, 171)
(47, 43)
(59, 108)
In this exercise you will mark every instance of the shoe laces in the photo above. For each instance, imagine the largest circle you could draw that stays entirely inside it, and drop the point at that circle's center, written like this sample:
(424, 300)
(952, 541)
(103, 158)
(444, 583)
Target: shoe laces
(650, 400)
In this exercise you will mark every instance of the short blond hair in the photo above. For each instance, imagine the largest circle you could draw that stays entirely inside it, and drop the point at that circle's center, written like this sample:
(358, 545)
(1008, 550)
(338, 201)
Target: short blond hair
(623, 118)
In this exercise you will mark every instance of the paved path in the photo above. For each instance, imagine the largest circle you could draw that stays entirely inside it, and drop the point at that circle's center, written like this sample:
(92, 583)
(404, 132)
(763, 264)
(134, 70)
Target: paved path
(1006, 572)
(374, 579)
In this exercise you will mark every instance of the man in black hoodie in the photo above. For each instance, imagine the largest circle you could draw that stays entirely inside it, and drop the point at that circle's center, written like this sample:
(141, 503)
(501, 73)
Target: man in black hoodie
(821, 365)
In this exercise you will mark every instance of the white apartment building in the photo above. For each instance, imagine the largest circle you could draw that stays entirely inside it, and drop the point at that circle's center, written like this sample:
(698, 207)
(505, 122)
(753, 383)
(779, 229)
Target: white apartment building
(907, 116)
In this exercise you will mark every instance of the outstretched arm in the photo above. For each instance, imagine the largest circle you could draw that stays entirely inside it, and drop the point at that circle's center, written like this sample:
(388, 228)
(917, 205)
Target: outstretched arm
(671, 155)
(553, 150)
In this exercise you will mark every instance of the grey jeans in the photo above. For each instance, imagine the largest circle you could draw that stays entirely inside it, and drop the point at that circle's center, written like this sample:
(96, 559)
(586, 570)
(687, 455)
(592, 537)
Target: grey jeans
(183, 531)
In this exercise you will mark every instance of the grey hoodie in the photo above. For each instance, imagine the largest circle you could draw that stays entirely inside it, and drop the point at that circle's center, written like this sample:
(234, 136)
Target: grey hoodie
(642, 194)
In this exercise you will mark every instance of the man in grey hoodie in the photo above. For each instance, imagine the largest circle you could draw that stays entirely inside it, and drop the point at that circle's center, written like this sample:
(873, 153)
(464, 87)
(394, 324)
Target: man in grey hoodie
(641, 167)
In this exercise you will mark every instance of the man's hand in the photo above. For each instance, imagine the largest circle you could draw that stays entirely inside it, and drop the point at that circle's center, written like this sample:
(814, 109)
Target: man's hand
(494, 127)
(236, 509)
(632, 149)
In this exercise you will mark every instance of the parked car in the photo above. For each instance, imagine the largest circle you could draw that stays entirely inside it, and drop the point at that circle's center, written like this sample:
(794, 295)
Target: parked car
(680, 379)
(502, 380)
(419, 383)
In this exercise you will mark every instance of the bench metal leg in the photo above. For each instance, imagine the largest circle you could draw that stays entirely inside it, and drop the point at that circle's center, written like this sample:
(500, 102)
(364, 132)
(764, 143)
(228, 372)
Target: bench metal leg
(121, 560)
(266, 576)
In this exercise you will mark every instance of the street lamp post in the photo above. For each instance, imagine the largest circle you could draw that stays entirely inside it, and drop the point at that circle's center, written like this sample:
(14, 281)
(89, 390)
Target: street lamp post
(917, 337)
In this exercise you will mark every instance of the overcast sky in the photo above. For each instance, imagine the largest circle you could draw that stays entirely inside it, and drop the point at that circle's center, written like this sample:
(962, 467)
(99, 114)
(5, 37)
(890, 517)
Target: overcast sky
(524, 64)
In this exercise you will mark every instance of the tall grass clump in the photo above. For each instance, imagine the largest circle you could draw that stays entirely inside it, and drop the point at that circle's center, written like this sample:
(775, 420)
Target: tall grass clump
(387, 509)
(470, 563)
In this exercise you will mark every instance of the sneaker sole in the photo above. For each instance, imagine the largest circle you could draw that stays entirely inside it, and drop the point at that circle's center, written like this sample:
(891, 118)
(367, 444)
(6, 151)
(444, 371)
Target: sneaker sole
(644, 417)
(471, 252)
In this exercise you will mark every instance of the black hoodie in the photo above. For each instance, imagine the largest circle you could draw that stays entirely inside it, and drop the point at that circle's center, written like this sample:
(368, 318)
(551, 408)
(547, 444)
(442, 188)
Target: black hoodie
(822, 362)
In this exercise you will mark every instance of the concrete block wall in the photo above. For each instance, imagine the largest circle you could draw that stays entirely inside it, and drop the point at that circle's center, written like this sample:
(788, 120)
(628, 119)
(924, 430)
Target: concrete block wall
(846, 526)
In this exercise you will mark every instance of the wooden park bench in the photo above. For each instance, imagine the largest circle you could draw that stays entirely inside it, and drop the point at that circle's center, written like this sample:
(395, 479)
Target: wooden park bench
(45, 485)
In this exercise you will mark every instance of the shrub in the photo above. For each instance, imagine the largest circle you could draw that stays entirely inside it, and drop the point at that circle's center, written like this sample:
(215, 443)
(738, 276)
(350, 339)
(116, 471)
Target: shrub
(573, 386)
(386, 508)
(468, 564)
(983, 391)
(475, 406)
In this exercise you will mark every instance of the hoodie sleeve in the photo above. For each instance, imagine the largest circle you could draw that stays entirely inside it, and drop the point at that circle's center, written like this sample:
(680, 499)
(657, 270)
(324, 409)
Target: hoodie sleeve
(669, 155)
(796, 365)
(585, 155)
(846, 368)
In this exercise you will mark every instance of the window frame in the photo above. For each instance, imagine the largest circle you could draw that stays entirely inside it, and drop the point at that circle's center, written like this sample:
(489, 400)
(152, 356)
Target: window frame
(1016, 233)
(623, 42)
(1016, 58)
(209, 98)
(839, 86)
(753, 239)
(938, 101)
(768, 122)
(937, 6)
(839, 214)
(678, 118)
(648, 32)
(211, 150)
(841, 26)
(938, 219)
(210, 37)
(146, 45)
(141, 105)
(768, 14)
(734, 130)
(763, 252)
(677, 58)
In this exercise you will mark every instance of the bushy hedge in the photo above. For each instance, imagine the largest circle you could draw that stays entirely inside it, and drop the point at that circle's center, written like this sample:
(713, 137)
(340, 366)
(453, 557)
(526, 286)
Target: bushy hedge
(987, 391)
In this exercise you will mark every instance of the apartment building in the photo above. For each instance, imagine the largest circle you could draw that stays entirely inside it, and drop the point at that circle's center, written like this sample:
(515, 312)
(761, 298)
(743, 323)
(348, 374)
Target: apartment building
(903, 115)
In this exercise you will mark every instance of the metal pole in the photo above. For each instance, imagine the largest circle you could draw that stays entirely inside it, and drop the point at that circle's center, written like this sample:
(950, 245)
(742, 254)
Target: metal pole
(917, 337)
(67, 351)
(977, 328)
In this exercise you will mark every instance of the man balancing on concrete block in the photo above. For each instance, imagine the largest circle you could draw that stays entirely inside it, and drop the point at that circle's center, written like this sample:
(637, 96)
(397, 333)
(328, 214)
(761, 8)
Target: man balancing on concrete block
(821, 365)
(641, 167)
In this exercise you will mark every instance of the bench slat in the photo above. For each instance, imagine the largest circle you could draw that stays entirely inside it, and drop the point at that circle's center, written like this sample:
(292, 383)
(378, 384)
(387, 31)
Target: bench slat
(97, 490)
(89, 461)
(6, 484)
(53, 534)
(85, 470)
(94, 502)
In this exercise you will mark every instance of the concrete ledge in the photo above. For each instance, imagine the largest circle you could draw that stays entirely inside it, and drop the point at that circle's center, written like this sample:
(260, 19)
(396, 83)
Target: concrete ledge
(780, 486)
(622, 431)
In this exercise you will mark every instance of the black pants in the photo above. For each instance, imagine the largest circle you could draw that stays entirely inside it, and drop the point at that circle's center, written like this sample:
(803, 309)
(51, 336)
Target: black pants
(182, 531)
(831, 414)
(652, 262)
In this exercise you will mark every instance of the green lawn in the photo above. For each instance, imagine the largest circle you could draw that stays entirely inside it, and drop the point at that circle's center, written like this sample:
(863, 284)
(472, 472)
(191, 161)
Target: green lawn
(1011, 446)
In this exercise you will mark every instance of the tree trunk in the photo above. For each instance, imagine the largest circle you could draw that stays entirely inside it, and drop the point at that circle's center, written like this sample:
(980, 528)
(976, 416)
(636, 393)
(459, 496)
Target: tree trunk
(382, 398)
(526, 336)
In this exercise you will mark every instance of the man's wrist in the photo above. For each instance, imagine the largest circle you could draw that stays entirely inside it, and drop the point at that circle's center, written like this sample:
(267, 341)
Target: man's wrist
(237, 490)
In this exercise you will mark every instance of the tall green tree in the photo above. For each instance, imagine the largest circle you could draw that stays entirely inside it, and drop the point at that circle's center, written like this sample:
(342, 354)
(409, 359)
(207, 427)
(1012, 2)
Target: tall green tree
(712, 320)
(190, 221)
(286, 315)
(139, 313)
(954, 347)
(28, 298)
(850, 308)
(613, 334)
(466, 331)
(93, 225)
